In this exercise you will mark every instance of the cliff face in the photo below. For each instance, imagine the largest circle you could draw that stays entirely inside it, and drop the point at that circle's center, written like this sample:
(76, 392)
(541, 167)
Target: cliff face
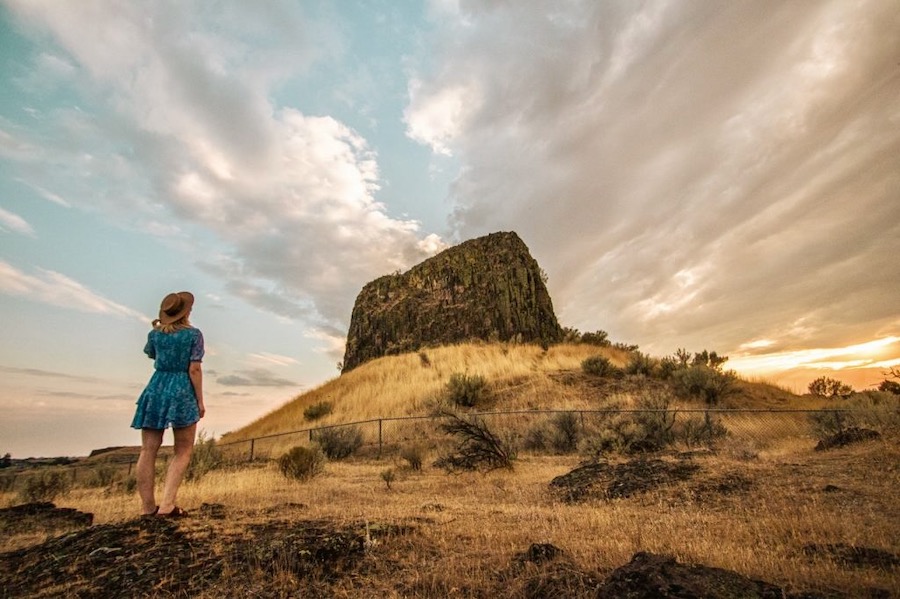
(488, 288)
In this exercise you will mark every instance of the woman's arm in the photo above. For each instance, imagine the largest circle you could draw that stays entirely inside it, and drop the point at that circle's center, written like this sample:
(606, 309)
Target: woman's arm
(195, 371)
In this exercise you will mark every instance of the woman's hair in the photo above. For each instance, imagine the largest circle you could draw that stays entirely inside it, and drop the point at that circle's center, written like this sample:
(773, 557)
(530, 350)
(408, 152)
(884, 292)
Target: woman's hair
(181, 323)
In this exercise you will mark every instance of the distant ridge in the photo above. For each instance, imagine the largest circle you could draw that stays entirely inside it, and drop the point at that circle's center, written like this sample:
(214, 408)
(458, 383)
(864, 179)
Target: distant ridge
(489, 289)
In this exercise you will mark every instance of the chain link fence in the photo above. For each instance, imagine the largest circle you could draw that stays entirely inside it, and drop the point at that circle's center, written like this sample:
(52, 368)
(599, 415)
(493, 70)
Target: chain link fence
(538, 432)
(564, 431)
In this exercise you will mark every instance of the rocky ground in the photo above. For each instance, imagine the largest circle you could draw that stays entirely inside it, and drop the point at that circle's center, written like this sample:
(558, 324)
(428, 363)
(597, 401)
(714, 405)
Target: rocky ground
(218, 551)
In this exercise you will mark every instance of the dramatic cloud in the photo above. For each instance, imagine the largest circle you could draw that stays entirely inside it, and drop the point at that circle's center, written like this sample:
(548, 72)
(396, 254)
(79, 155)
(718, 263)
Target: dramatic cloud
(59, 290)
(687, 173)
(256, 377)
(187, 127)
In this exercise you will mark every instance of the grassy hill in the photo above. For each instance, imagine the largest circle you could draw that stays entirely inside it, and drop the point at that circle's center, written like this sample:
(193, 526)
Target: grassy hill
(519, 377)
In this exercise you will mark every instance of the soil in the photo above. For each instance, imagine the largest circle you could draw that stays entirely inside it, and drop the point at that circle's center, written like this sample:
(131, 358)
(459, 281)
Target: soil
(163, 557)
(604, 480)
(217, 551)
(847, 437)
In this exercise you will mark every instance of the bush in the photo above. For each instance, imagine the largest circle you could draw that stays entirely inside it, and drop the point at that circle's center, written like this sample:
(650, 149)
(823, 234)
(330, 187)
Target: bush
(876, 410)
(597, 338)
(600, 366)
(302, 463)
(703, 382)
(103, 476)
(339, 442)
(641, 364)
(317, 410)
(45, 486)
(205, 457)
(414, 455)
(649, 429)
(699, 432)
(467, 391)
(479, 447)
(667, 368)
(889, 386)
(560, 435)
(830, 388)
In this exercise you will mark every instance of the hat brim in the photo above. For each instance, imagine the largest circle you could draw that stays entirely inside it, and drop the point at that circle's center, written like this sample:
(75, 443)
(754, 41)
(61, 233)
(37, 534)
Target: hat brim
(188, 298)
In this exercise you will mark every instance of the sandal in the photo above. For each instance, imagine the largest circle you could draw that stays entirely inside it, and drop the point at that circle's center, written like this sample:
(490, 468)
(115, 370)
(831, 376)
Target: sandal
(176, 512)
(151, 514)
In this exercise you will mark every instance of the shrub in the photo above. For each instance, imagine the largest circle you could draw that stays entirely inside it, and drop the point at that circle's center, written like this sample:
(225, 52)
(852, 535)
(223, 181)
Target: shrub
(600, 366)
(103, 476)
(698, 432)
(565, 432)
(6, 483)
(205, 457)
(338, 443)
(709, 359)
(598, 338)
(45, 486)
(388, 477)
(467, 391)
(302, 463)
(560, 434)
(414, 455)
(667, 368)
(703, 382)
(641, 364)
(876, 410)
(826, 424)
(889, 387)
(317, 410)
(479, 448)
(830, 388)
(129, 485)
(649, 429)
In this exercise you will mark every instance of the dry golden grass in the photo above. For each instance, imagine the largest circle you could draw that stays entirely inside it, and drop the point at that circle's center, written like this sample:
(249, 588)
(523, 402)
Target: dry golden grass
(404, 385)
(470, 526)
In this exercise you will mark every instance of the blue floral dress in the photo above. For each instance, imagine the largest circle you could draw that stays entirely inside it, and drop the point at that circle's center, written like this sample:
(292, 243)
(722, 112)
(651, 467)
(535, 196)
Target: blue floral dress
(169, 398)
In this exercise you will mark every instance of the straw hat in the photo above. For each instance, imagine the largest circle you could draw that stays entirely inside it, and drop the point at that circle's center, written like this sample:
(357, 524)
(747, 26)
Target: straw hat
(175, 306)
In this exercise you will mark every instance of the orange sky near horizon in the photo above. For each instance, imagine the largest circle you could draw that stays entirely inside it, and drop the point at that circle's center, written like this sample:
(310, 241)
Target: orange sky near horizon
(862, 365)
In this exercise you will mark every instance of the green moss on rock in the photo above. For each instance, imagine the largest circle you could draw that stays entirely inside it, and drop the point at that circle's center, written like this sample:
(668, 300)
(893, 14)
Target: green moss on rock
(489, 288)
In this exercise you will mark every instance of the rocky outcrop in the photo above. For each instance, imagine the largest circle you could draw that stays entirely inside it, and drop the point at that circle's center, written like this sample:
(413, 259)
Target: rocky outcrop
(489, 288)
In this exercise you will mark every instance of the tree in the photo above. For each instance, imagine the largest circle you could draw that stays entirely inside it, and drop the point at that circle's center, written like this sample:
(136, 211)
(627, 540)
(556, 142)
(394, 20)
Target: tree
(710, 359)
(598, 338)
(830, 388)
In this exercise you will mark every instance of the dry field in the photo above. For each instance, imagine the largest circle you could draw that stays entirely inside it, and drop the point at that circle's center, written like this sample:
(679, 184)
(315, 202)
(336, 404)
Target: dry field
(764, 505)
(766, 519)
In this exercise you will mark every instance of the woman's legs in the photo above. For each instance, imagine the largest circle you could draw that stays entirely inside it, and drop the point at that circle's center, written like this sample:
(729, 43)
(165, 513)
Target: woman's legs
(145, 472)
(184, 446)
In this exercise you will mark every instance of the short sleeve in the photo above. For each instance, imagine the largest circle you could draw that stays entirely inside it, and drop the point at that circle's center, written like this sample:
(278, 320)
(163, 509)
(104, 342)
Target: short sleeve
(150, 349)
(197, 349)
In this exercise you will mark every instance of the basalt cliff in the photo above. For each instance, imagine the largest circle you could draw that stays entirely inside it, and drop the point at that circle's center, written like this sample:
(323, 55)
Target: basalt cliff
(489, 289)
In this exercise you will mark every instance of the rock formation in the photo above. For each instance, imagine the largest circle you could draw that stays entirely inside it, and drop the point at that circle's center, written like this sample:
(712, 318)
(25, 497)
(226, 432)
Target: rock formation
(489, 288)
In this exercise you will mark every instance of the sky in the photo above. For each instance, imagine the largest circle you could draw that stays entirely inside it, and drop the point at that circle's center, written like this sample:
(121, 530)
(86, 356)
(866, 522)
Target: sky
(699, 175)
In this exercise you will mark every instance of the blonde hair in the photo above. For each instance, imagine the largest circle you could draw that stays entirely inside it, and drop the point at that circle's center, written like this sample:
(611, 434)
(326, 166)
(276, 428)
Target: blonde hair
(181, 323)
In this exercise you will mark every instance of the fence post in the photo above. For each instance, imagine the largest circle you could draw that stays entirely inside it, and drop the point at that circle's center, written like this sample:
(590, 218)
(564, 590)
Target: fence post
(252, 445)
(379, 437)
(129, 468)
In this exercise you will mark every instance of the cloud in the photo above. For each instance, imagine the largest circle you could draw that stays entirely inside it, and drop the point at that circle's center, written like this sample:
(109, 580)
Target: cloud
(688, 174)
(56, 289)
(15, 223)
(256, 377)
(37, 372)
(189, 94)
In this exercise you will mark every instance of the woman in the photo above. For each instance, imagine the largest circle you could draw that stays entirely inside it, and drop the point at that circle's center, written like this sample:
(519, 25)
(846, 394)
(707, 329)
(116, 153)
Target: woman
(173, 397)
